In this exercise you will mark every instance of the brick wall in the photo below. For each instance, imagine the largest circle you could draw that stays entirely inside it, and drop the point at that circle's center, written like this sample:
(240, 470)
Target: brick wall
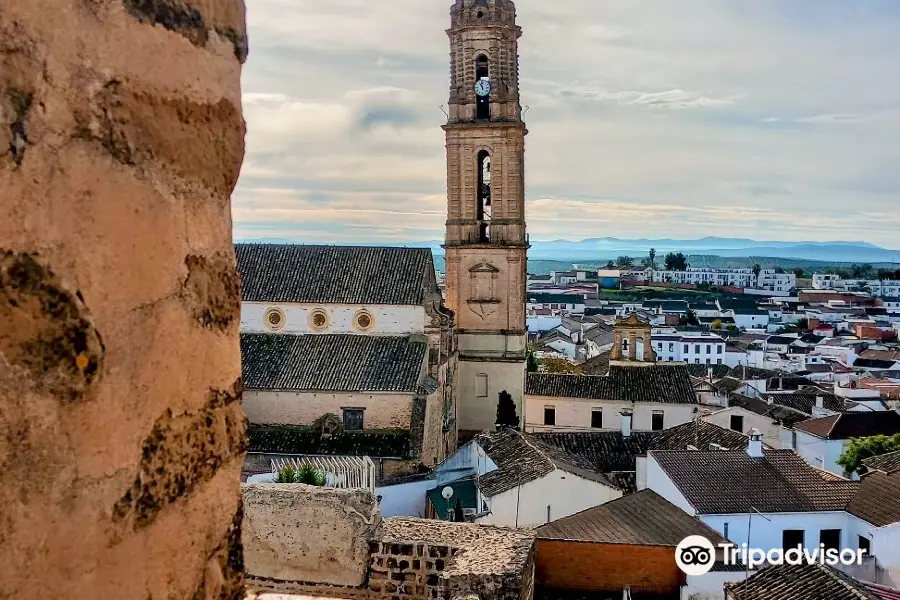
(606, 567)
(408, 571)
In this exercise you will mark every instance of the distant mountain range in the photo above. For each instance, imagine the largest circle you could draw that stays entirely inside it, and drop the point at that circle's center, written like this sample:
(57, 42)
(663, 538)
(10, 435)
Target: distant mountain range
(607, 248)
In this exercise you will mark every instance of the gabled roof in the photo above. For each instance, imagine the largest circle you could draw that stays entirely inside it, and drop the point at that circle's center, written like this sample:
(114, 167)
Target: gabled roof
(335, 274)
(666, 383)
(886, 463)
(520, 458)
(332, 362)
(610, 451)
(852, 424)
(731, 481)
(800, 582)
(878, 499)
(805, 401)
(641, 519)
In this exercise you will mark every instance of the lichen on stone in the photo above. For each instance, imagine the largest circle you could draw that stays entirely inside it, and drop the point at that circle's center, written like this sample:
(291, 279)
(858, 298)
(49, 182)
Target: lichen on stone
(47, 329)
(182, 452)
(212, 290)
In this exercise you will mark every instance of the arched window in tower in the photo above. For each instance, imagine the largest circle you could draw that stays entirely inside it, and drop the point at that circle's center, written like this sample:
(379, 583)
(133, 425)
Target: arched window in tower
(482, 88)
(484, 196)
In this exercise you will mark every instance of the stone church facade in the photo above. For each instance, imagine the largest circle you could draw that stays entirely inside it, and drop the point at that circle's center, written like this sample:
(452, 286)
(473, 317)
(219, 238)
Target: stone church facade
(486, 243)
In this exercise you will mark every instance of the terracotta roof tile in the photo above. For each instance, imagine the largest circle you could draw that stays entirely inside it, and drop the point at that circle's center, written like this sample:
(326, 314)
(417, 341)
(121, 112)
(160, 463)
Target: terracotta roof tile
(669, 383)
(334, 274)
(799, 582)
(731, 481)
(332, 362)
(853, 424)
(644, 518)
(521, 458)
(887, 463)
(878, 499)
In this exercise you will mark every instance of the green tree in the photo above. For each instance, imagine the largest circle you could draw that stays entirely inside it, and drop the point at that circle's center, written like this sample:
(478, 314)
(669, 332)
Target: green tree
(799, 273)
(803, 324)
(610, 265)
(860, 449)
(506, 411)
(756, 270)
(688, 318)
(652, 256)
(531, 364)
(717, 324)
(676, 261)
(624, 262)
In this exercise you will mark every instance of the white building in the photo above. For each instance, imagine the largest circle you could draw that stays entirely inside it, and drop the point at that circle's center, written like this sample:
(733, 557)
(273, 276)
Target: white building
(884, 288)
(700, 348)
(822, 441)
(546, 304)
(642, 397)
(744, 278)
(522, 482)
(772, 499)
(318, 326)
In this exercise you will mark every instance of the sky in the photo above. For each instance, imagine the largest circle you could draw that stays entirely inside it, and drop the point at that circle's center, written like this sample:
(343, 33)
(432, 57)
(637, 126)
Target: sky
(763, 119)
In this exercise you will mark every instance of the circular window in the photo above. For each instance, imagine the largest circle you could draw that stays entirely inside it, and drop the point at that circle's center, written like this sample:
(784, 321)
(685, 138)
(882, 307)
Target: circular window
(318, 320)
(274, 319)
(363, 320)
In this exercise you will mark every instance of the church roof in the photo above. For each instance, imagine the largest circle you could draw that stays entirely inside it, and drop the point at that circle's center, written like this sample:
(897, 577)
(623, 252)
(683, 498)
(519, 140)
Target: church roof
(332, 362)
(335, 274)
(670, 383)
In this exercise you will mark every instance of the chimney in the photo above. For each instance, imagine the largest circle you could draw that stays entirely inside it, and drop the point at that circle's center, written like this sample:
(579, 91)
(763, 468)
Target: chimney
(626, 424)
(754, 448)
(709, 373)
(820, 402)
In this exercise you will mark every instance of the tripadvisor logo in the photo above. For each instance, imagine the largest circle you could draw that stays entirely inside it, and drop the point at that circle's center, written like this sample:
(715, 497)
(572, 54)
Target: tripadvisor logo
(695, 555)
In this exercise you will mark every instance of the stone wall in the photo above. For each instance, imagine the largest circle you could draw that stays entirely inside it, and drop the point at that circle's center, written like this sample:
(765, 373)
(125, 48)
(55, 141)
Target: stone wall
(295, 532)
(404, 558)
(121, 430)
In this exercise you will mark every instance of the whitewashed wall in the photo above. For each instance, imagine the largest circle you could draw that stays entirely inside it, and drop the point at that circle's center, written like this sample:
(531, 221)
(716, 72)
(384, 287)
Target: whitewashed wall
(564, 493)
(574, 414)
(388, 319)
(383, 410)
(766, 533)
(405, 499)
(822, 454)
(765, 425)
(659, 482)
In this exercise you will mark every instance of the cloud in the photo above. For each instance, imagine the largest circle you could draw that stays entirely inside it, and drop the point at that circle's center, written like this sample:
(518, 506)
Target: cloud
(666, 99)
(766, 119)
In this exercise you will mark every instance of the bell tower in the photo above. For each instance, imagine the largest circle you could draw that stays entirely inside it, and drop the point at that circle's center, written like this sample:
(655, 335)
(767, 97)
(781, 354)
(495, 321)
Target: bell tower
(485, 243)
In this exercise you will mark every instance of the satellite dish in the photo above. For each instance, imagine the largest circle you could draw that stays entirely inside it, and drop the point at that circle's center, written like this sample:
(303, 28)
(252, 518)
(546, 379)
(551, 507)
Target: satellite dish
(447, 492)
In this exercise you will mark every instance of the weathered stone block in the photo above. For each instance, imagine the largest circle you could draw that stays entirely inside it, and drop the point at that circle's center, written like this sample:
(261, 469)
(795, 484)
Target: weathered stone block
(297, 532)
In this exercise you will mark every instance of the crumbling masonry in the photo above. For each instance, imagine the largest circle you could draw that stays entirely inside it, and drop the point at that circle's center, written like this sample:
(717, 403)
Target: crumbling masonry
(121, 430)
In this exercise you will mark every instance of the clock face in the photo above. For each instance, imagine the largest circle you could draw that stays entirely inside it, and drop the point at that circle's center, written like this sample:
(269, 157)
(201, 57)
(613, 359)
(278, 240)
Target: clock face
(483, 87)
